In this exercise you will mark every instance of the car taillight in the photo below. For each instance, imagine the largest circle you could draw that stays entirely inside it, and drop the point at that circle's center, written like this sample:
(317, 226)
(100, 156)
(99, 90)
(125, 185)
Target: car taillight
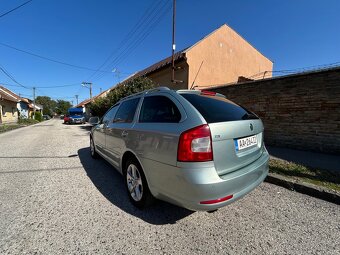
(195, 145)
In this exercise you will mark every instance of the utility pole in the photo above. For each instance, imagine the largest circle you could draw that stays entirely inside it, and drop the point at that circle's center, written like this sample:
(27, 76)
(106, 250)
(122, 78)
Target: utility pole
(173, 41)
(34, 103)
(117, 73)
(77, 99)
(89, 86)
(173, 67)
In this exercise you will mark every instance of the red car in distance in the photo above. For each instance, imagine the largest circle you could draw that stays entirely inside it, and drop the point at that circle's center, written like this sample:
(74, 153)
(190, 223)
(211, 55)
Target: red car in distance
(67, 119)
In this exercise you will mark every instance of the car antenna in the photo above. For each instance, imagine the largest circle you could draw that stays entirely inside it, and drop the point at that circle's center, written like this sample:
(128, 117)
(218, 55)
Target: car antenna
(199, 69)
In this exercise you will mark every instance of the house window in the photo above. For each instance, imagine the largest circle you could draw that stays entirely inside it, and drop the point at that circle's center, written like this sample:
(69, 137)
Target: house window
(13, 111)
(4, 111)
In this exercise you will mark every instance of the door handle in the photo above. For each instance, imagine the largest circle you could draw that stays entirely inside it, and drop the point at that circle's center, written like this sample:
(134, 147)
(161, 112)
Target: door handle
(125, 133)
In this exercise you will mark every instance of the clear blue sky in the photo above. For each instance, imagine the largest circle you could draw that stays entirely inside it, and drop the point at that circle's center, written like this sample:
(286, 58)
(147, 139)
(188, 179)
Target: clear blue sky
(291, 33)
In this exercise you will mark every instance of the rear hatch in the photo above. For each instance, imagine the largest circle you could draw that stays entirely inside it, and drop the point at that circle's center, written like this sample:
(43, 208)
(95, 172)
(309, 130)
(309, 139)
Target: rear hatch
(237, 134)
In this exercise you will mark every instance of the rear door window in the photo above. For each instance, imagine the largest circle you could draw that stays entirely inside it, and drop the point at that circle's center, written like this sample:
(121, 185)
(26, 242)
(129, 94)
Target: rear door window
(159, 109)
(218, 109)
(126, 111)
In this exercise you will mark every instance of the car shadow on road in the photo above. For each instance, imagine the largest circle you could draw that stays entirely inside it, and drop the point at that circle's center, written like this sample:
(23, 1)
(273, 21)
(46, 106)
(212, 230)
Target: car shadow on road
(85, 127)
(110, 183)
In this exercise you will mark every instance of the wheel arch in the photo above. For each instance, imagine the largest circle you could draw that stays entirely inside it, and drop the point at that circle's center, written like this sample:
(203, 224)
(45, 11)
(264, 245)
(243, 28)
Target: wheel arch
(130, 154)
(150, 195)
(127, 155)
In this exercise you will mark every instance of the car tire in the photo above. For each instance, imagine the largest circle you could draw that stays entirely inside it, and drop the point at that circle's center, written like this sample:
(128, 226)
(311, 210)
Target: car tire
(93, 151)
(136, 184)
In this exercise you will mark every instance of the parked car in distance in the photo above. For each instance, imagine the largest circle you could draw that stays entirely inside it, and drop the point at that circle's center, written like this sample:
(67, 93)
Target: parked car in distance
(195, 149)
(46, 117)
(66, 119)
(62, 116)
(76, 116)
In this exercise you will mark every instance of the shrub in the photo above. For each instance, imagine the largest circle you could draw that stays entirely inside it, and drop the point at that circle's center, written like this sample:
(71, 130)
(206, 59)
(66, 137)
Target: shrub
(27, 121)
(100, 105)
(38, 116)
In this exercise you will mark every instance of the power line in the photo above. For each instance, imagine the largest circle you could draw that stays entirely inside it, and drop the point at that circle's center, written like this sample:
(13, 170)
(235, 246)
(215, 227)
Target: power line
(315, 67)
(25, 95)
(38, 89)
(142, 36)
(152, 13)
(151, 23)
(143, 28)
(130, 36)
(134, 44)
(43, 93)
(127, 36)
(53, 60)
(45, 87)
(297, 70)
(59, 86)
(15, 8)
(11, 77)
(10, 85)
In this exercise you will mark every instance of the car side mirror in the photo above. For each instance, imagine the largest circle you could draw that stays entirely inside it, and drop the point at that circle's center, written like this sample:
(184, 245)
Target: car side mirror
(94, 121)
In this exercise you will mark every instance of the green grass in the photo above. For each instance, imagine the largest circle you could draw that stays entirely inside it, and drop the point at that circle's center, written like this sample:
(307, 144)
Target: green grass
(27, 121)
(4, 128)
(319, 177)
(21, 123)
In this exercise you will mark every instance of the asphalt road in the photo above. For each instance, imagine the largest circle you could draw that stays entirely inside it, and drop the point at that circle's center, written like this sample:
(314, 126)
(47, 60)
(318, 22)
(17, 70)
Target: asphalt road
(55, 199)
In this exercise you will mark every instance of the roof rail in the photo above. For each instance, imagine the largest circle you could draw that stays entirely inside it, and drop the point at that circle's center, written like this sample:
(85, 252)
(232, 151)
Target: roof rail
(133, 95)
(146, 92)
(157, 89)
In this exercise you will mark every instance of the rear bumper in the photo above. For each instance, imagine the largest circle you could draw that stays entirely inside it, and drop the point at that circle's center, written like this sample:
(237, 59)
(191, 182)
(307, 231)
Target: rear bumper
(188, 186)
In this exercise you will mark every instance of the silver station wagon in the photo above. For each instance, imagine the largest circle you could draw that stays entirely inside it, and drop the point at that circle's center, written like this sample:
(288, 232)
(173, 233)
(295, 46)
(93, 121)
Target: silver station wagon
(195, 149)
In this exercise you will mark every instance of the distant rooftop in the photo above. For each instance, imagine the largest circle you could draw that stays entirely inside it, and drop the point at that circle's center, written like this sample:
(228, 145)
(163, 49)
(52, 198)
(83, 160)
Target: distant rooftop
(8, 95)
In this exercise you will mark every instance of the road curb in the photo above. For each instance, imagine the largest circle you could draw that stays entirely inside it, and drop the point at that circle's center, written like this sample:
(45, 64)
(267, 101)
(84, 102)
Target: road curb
(304, 188)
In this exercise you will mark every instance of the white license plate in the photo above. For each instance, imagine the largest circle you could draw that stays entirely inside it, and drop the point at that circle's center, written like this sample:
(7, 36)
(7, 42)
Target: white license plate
(246, 142)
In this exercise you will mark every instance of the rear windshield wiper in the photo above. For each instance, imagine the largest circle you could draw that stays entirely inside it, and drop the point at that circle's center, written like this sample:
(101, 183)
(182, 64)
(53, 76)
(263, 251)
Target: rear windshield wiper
(249, 116)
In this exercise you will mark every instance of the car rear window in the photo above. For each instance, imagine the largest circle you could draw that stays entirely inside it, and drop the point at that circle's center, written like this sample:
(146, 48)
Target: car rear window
(218, 109)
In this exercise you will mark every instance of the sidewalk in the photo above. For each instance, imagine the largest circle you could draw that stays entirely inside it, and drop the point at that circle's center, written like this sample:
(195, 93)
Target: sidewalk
(306, 158)
(315, 160)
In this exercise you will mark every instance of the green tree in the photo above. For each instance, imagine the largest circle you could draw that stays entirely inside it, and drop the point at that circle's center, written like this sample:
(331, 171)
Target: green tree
(100, 105)
(48, 104)
(62, 106)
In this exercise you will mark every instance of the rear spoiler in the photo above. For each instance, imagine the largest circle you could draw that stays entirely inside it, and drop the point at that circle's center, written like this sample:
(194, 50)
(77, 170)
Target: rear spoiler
(201, 92)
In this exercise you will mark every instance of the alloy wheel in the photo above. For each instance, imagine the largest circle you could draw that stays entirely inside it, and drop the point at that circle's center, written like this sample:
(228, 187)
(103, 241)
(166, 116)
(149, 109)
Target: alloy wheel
(134, 182)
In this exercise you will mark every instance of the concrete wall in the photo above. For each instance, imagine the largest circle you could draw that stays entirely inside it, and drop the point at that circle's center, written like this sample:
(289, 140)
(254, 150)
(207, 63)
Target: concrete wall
(162, 77)
(225, 56)
(8, 112)
(299, 111)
